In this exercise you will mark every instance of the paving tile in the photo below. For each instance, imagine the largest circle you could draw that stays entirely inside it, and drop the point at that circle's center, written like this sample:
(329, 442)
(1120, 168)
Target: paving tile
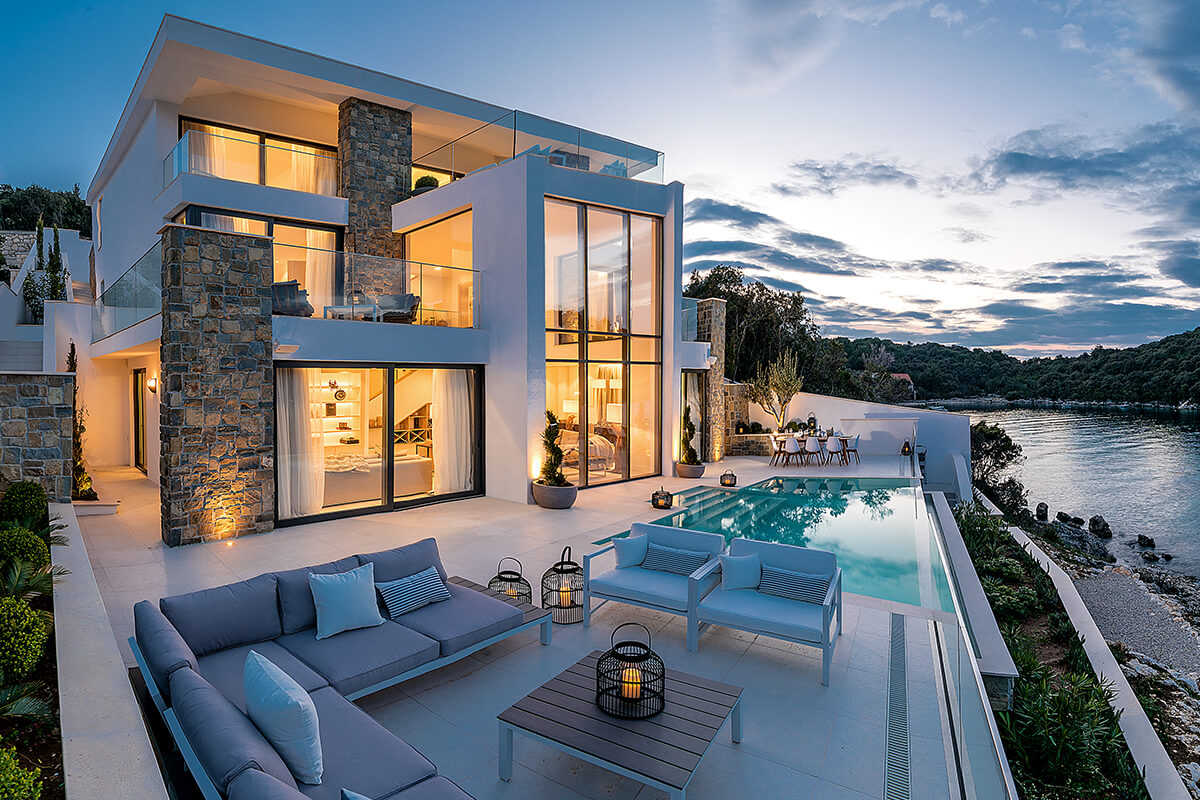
(855, 757)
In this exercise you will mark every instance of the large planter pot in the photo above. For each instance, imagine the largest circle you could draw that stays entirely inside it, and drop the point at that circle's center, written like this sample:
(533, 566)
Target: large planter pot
(689, 470)
(554, 496)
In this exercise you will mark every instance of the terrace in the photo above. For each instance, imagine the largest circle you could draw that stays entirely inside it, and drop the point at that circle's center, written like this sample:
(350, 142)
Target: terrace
(918, 726)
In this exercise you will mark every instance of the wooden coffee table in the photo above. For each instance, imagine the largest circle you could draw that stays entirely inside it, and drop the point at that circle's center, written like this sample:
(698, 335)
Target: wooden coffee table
(663, 751)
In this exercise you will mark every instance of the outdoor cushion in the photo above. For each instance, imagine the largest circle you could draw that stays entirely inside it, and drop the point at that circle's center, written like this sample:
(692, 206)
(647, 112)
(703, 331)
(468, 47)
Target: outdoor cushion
(296, 609)
(630, 551)
(667, 536)
(673, 559)
(360, 754)
(644, 586)
(164, 649)
(357, 659)
(438, 788)
(740, 572)
(803, 586)
(226, 616)
(466, 618)
(749, 610)
(391, 565)
(787, 556)
(284, 713)
(415, 591)
(224, 670)
(345, 601)
(255, 785)
(224, 739)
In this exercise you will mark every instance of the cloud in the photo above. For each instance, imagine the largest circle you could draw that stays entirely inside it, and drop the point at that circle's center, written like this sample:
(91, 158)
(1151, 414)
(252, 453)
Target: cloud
(830, 177)
(1169, 54)
(763, 45)
(1029, 33)
(967, 235)
(1070, 39)
(942, 12)
(706, 209)
(1180, 260)
(812, 241)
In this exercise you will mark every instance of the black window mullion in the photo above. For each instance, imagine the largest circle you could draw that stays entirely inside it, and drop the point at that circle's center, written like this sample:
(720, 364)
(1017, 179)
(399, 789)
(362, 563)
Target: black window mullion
(388, 437)
(582, 447)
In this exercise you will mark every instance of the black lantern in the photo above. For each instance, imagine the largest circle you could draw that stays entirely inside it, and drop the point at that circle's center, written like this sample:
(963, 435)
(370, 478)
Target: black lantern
(812, 422)
(661, 498)
(906, 450)
(512, 583)
(630, 678)
(562, 590)
(741, 428)
(728, 478)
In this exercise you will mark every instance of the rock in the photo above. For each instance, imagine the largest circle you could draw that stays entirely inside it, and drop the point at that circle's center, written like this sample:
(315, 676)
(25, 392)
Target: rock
(1145, 541)
(1042, 513)
(1100, 527)
(1167, 556)
(1150, 556)
(1063, 516)
(1077, 522)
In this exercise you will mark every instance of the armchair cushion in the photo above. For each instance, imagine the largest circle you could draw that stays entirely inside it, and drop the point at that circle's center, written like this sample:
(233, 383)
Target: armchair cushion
(463, 619)
(740, 572)
(162, 646)
(296, 608)
(673, 559)
(630, 551)
(225, 616)
(648, 586)
(667, 536)
(400, 562)
(749, 610)
(806, 587)
(225, 669)
(360, 658)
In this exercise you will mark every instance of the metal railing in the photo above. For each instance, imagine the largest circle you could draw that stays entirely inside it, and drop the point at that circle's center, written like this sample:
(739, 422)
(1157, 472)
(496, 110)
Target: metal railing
(279, 164)
(133, 297)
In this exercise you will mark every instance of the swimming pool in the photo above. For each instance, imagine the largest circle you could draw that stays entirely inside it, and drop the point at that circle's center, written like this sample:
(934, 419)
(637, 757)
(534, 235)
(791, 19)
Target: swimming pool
(879, 530)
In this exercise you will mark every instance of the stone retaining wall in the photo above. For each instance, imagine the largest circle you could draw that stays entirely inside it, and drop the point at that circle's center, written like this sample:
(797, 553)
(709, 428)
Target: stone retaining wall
(710, 327)
(748, 444)
(17, 245)
(36, 431)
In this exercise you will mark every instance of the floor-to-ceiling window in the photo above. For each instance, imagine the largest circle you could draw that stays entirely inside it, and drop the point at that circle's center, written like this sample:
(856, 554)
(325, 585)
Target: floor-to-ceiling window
(438, 260)
(603, 340)
(357, 438)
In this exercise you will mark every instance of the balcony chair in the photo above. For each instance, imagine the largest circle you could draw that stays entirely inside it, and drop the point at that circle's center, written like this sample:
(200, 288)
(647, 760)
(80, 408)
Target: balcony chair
(398, 307)
(289, 300)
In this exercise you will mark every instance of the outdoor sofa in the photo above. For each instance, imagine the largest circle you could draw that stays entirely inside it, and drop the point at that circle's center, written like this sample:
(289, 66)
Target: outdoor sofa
(192, 650)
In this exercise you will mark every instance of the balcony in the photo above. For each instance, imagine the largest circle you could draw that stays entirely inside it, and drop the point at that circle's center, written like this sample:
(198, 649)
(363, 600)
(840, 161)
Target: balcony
(517, 134)
(689, 319)
(283, 165)
(133, 297)
(335, 285)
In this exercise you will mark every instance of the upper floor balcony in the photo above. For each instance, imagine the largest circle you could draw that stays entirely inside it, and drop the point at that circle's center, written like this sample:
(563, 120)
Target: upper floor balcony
(253, 158)
(131, 298)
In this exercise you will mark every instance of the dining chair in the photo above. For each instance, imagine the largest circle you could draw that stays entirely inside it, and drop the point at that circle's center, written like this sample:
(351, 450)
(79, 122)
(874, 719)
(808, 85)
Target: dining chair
(791, 450)
(777, 454)
(835, 447)
(813, 451)
(850, 448)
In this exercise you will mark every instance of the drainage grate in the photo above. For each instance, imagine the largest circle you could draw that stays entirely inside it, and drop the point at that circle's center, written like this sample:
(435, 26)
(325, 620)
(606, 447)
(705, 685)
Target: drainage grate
(896, 768)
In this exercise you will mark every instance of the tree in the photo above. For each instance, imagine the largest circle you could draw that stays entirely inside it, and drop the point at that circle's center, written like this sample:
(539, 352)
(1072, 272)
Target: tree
(33, 292)
(552, 474)
(687, 453)
(5, 274)
(993, 453)
(775, 385)
(81, 482)
(56, 274)
(21, 208)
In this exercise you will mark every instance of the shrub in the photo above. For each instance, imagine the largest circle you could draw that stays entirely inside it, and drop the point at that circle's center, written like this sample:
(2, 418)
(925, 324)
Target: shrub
(756, 427)
(17, 782)
(552, 474)
(21, 544)
(1010, 603)
(22, 638)
(426, 180)
(983, 534)
(25, 502)
(687, 453)
(1005, 568)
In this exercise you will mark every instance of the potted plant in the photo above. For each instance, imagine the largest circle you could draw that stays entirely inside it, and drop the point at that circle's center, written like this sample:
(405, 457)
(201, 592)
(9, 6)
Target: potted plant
(551, 489)
(689, 464)
(424, 184)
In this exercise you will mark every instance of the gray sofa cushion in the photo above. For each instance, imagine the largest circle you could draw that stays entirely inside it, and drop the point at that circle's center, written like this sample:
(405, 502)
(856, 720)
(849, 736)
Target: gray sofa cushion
(644, 586)
(164, 649)
(225, 740)
(360, 754)
(255, 785)
(356, 659)
(750, 610)
(437, 788)
(226, 616)
(391, 565)
(224, 670)
(466, 618)
(296, 609)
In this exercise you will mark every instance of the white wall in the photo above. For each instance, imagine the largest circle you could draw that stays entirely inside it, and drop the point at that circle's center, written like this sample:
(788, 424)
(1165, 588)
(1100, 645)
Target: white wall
(265, 115)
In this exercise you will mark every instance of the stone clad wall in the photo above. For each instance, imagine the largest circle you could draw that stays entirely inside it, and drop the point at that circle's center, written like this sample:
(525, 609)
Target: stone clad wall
(374, 172)
(710, 327)
(17, 245)
(217, 414)
(36, 431)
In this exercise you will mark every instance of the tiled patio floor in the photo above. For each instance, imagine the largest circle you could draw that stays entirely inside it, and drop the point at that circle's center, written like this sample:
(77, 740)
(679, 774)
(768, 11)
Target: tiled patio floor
(801, 740)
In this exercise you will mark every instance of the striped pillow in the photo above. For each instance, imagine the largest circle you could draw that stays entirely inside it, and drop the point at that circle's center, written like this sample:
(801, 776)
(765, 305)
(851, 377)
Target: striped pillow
(413, 592)
(803, 586)
(672, 559)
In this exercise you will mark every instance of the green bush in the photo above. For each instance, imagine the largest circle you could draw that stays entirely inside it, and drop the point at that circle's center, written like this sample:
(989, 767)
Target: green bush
(984, 535)
(1002, 567)
(21, 544)
(25, 502)
(23, 637)
(17, 782)
(1011, 603)
(426, 180)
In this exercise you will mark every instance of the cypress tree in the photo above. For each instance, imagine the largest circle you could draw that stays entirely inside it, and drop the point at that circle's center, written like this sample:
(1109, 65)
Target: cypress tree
(41, 255)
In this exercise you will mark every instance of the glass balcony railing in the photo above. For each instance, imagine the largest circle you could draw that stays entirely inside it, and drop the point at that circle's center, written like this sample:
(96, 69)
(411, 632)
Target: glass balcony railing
(335, 285)
(133, 297)
(688, 330)
(280, 164)
(518, 133)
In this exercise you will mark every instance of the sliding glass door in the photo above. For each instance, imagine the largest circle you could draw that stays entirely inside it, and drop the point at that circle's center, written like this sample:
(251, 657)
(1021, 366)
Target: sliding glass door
(355, 439)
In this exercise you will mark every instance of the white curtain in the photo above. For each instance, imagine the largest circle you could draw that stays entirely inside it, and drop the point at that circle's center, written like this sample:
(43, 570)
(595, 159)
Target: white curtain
(206, 150)
(319, 269)
(230, 223)
(453, 431)
(300, 448)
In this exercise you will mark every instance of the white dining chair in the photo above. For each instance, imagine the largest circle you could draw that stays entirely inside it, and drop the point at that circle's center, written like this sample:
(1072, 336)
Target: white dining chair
(791, 450)
(835, 447)
(777, 453)
(813, 451)
(850, 448)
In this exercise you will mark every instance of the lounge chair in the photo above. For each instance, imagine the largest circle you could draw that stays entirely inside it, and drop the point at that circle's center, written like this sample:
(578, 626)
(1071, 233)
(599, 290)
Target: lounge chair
(289, 300)
(398, 307)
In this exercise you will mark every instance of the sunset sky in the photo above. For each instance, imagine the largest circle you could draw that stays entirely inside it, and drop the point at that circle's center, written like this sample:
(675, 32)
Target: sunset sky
(1022, 174)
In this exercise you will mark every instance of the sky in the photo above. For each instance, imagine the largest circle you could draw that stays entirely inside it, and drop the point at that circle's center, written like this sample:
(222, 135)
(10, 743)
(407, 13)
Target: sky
(1015, 174)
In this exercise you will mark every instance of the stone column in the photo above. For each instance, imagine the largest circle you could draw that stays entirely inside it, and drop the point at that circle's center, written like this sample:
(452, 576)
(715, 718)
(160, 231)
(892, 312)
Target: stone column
(710, 327)
(217, 413)
(374, 172)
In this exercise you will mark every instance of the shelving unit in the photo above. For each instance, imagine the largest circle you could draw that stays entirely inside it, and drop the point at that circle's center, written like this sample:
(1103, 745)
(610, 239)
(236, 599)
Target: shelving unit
(351, 411)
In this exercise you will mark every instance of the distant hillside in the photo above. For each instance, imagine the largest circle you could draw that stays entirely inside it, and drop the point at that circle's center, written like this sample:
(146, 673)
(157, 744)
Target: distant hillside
(1167, 370)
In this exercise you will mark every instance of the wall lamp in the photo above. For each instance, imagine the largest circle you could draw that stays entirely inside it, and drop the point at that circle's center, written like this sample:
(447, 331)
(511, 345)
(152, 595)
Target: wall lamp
(152, 385)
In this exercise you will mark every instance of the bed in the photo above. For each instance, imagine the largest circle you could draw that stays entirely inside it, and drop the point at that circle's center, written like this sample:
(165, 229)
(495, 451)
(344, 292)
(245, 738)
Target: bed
(357, 479)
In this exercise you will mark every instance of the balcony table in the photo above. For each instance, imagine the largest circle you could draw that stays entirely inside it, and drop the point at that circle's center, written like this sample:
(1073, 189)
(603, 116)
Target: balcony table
(366, 310)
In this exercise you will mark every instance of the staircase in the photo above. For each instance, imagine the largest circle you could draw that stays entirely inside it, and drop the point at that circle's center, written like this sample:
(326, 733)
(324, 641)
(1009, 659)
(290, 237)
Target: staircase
(20, 356)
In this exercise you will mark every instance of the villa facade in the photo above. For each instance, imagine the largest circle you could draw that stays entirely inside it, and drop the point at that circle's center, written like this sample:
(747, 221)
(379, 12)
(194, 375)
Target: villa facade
(290, 325)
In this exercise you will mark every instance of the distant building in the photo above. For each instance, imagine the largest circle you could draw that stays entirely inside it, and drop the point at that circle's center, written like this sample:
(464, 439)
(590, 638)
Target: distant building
(904, 377)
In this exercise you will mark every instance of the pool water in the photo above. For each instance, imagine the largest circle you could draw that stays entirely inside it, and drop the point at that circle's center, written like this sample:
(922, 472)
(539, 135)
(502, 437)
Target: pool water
(879, 530)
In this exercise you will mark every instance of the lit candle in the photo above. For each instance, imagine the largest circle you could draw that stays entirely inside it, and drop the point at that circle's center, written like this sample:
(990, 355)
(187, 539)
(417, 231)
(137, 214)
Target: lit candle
(564, 595)
(511, 591)
(631, 683)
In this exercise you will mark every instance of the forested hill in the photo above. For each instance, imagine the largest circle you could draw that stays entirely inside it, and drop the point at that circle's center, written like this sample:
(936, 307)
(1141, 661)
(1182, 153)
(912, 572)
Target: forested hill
(1167, 370)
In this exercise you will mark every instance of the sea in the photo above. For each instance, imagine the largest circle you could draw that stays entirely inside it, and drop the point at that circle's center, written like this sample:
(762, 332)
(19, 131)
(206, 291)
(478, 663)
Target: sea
(1139, 470)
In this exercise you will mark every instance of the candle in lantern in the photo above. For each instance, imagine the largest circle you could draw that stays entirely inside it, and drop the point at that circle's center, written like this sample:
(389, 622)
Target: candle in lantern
(511, 591)
(564, 595)
(631, 683)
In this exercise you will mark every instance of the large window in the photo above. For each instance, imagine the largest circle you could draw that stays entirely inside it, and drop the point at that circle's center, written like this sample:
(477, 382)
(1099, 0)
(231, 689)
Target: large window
(603, 340)
(439, 258)
(353, 438)
(238, 154)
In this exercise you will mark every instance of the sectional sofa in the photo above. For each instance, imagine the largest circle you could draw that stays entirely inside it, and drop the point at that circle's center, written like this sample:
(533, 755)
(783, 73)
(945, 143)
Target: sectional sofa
(192, 648)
